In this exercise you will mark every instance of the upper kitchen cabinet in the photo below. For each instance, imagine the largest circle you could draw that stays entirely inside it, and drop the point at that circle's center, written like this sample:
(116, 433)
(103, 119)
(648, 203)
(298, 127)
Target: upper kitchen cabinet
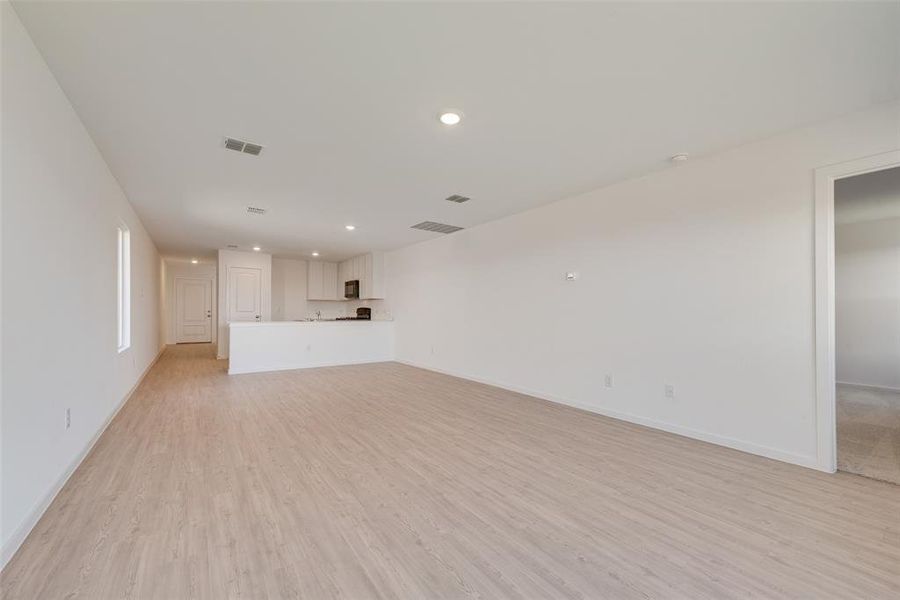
(368, 269)
(322, 281)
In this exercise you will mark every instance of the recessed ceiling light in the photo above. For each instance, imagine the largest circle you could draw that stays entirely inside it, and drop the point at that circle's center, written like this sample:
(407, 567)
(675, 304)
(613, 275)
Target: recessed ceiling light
(450, 118)
(194, 261)
(349, 227)
(256, 248)
(315, 253)
(679, 157)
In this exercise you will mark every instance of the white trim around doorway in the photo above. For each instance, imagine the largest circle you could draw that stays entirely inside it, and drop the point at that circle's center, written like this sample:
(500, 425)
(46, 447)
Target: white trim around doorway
(825, 177)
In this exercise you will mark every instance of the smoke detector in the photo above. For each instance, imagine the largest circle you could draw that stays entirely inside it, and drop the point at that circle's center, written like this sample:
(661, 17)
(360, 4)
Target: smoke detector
(243, 146)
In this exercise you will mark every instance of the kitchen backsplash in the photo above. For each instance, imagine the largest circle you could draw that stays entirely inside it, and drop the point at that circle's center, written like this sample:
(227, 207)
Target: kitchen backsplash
(333, 310)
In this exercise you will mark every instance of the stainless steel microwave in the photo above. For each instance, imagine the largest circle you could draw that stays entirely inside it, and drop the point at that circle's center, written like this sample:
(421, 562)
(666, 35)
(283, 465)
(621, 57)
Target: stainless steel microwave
(351, 289)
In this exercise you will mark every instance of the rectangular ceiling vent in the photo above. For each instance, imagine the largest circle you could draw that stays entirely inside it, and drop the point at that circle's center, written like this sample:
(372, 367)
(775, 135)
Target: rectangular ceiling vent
(436, 227)
(232, 246)
(253, 149)
(242, 146)
(457, 198)
(253, 210)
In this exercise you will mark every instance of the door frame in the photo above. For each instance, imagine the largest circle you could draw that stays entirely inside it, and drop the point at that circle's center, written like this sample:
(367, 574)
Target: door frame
(212, 305)
(826, 381)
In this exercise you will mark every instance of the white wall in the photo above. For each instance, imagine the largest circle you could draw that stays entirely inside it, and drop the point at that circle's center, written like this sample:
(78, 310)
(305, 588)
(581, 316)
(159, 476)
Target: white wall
(698, 276)
(61, 207)
(180, 268)
(253, 260)
(867, 302)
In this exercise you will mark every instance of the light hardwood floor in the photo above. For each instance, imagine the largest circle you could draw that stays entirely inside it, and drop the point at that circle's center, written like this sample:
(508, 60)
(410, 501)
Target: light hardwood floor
(386, 481)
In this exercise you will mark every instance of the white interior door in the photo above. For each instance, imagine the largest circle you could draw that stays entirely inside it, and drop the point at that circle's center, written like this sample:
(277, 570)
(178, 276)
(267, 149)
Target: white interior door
(193, 310)
(244, 294)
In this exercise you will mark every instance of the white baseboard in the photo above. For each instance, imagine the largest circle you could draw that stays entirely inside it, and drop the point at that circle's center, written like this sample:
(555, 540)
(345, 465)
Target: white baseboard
(21, 534)
(736, 444)
(869, 386)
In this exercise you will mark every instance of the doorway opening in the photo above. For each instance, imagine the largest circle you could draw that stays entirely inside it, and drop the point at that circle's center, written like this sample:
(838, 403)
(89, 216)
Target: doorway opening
(858, 316)
(867, 323)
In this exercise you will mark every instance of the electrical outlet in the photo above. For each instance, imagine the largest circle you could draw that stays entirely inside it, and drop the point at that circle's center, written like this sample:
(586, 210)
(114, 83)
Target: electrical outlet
(670, 391)
(608, 380)
(68, 418)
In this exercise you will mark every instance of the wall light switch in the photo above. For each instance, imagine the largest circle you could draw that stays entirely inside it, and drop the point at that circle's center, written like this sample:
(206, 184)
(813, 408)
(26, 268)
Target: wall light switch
(608, 381)
(670, 391)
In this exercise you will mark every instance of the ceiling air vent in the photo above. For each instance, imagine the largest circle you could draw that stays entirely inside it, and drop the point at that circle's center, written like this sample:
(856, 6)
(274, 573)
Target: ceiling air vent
(253, 149)
(232, 246)
(436, 227)
(457, 198)
(253, 210)
(242, 146)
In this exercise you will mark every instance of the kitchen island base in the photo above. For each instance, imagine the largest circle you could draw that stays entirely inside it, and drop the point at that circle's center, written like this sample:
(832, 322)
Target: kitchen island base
(281, 345)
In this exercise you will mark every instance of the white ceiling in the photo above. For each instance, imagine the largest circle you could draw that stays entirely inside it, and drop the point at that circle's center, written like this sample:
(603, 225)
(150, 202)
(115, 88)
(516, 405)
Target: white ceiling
(870, 197)
(558, 98)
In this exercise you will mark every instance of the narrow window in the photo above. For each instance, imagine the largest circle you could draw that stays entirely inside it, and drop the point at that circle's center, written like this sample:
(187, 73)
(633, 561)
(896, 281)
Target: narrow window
(124, 288)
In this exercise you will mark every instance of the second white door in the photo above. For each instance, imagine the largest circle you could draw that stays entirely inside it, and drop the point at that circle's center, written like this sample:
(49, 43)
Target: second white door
(193, 310)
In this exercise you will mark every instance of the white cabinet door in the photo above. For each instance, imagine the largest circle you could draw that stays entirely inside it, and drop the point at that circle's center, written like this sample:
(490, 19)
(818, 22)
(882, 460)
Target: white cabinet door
(330, 282)
(244, 294)
(365, 276)
(372, 275)
(344, 272)
(314, 281)
(378, 287)
(322, 282)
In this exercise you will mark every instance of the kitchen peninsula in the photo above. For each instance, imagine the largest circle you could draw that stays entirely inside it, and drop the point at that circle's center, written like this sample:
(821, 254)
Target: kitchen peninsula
(281, 345)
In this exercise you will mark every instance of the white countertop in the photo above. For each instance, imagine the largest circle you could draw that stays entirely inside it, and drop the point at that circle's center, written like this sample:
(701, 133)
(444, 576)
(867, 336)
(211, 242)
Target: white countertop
(301, 323)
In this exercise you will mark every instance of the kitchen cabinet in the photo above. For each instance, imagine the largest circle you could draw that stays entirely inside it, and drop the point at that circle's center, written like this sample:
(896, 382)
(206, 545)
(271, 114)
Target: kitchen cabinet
(322, 281)
(368, 269)
(330, 281)
(352, 269)
(343, 274)
(325, 280)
